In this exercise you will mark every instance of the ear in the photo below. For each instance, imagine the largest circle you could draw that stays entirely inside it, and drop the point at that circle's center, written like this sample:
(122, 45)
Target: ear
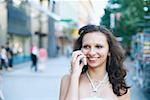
(108, 53)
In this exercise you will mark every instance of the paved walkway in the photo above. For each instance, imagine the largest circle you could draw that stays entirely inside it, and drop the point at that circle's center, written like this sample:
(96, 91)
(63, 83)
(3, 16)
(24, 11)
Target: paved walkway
(25, 84)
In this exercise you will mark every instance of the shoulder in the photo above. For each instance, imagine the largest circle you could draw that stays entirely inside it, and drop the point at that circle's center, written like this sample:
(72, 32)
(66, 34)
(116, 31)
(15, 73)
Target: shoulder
(65, 81)
(125, 96)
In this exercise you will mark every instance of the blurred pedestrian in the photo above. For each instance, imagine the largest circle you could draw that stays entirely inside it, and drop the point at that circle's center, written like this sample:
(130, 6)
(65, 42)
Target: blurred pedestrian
(97, 70)
(34, 57)
(138, 66)
(58, 49)
(4, 59)
(9, 53)
(42, 59)
(68, 50)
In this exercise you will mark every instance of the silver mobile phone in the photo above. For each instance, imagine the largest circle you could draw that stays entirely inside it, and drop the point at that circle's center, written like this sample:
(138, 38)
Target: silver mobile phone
(84, 60)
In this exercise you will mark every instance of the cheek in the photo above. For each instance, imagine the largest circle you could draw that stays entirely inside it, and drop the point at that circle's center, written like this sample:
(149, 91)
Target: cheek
(85, 52)
(104, 53)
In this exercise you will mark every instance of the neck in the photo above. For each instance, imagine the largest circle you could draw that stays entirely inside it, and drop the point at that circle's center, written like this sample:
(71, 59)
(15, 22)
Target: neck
(97, 73)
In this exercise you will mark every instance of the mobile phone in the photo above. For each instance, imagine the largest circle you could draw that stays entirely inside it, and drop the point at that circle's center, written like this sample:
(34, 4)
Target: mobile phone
(84, 61)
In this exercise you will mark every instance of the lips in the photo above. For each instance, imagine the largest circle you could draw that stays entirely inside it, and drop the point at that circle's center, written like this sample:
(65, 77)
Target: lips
(92, 59)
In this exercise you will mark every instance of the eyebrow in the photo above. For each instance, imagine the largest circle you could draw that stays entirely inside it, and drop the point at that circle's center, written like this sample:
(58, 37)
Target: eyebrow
(94, 44)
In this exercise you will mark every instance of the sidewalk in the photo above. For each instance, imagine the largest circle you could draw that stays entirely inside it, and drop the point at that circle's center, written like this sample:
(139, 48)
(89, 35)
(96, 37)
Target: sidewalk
(25, 84)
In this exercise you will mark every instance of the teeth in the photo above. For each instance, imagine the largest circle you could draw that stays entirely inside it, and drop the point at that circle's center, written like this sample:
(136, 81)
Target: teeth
(92, 58)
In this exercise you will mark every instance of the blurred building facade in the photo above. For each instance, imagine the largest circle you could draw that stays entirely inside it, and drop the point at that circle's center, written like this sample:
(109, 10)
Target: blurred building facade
(74, 14)
(27, 22)
(3, 22)
(18, 29)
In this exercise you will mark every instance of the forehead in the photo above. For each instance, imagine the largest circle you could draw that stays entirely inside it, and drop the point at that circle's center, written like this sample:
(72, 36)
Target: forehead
(94, 37)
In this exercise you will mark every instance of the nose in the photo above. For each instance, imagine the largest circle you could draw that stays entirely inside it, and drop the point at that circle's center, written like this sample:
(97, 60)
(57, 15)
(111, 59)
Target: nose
(92, 52)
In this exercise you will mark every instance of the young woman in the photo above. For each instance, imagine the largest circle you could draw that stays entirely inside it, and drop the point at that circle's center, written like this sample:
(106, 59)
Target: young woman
(97, 70)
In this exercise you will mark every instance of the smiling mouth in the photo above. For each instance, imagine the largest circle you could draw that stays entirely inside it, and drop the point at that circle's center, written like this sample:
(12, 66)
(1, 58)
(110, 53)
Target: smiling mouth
(93, 59)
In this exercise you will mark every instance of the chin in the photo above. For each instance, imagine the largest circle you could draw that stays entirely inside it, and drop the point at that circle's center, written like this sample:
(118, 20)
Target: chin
(93, 65)
(96, 64)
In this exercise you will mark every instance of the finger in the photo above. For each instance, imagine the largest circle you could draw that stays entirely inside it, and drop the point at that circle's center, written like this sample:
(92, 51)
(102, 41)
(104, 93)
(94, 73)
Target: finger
(79, 58)
(76, 61)
(77, 65)
(76, 54)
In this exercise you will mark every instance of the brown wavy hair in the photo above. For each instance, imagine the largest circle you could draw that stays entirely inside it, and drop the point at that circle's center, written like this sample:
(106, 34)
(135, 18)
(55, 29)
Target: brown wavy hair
(114, 66)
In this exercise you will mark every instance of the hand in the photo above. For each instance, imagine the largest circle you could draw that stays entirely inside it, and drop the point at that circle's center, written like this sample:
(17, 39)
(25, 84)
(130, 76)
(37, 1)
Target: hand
(77, 62)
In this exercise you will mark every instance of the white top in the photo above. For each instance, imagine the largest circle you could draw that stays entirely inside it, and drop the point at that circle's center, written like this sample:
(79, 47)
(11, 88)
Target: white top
(93, 98)
(3, 54)
(35, 50)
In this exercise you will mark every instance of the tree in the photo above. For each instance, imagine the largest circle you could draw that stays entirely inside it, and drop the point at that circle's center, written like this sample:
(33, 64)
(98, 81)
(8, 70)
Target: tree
(132, 15)
(106, 18)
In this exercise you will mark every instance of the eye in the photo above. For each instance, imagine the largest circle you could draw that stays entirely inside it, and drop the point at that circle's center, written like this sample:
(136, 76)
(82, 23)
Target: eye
(99, 46)
(86, 47)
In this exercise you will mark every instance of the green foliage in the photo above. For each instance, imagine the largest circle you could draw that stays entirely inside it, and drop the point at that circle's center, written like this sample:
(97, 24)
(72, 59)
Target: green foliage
(106, 18)
(132, 14)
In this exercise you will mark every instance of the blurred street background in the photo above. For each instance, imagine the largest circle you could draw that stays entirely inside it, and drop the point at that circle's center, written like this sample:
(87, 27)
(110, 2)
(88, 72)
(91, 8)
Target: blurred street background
(47, 29)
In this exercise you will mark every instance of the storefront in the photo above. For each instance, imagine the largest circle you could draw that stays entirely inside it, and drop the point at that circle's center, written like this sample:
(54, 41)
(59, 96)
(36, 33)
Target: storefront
(19, 35)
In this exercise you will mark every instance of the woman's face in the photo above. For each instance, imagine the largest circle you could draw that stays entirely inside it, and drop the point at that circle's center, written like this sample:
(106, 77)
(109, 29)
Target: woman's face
(95, 47)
